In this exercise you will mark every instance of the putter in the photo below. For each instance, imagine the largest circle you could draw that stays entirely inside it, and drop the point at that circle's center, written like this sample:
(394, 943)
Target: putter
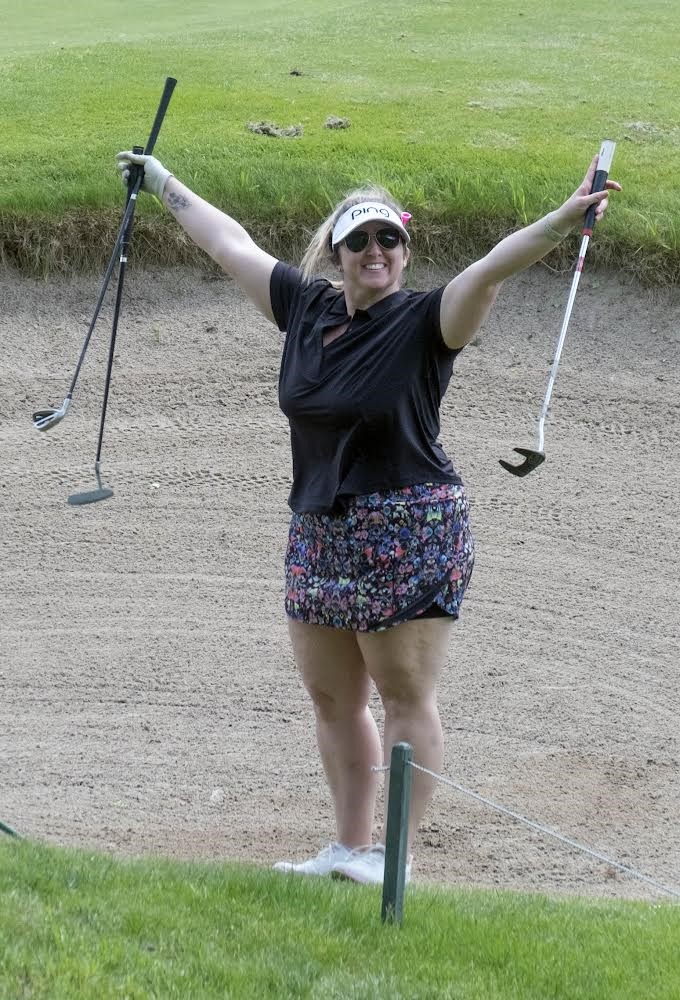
(533, 457)
(135, 179)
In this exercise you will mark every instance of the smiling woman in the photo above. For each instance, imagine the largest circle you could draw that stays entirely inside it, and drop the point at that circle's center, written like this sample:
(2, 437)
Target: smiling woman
(380, 549)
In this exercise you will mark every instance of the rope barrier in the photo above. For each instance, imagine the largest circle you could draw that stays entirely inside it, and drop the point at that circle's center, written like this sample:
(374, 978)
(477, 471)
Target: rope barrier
(546, 830)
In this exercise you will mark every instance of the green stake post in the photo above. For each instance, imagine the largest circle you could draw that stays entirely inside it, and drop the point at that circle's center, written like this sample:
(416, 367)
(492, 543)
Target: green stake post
(396, 835)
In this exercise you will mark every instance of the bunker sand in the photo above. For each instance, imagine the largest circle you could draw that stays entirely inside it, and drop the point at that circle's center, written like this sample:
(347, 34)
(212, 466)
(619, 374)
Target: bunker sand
(149, 702)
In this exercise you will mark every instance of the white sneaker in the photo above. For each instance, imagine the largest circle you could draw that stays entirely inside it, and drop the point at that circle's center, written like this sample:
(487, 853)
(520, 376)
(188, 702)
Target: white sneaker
(365, 865)
(322, 864)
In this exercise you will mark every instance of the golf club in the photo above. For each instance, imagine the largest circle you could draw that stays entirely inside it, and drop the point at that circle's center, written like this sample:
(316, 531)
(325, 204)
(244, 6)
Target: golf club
(44, 419)
(535, 457)
(135, 179)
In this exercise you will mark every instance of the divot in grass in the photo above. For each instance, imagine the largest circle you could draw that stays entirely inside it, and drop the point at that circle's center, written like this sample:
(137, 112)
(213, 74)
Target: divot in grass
(270, 128)
(334, 122)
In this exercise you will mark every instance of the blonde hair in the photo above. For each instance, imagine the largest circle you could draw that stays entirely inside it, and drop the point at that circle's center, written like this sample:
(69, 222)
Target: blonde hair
(319, 252)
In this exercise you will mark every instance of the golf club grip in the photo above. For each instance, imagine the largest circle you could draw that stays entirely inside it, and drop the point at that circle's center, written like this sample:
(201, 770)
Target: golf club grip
(170, 85)
(601, 174)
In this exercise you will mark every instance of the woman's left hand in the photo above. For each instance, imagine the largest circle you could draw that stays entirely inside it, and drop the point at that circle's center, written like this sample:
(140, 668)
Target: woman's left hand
(572, 212)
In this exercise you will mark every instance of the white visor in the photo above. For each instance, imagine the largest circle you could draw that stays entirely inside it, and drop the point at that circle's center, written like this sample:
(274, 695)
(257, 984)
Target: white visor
(367, 211)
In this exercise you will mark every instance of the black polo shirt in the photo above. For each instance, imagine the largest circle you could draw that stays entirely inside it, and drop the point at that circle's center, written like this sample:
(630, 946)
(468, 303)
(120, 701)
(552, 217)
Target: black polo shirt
(364, 410)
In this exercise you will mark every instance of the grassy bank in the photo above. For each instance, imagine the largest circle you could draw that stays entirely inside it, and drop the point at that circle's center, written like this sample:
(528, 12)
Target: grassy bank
(480, 118)
(77, 925)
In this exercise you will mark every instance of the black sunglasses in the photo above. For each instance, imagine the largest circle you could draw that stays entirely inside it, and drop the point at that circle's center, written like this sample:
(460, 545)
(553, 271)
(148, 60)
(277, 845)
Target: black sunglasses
(388, 239)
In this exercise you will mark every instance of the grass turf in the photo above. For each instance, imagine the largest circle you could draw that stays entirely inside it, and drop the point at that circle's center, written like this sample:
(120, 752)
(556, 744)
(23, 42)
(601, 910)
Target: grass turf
(480, 118)
(81, 925)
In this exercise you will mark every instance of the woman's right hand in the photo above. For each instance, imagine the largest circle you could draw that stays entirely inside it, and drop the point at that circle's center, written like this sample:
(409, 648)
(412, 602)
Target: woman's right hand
(155, 174)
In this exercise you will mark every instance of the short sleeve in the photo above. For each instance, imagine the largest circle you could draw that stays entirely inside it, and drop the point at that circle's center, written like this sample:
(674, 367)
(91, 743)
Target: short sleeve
(284, 289)
(431, 305)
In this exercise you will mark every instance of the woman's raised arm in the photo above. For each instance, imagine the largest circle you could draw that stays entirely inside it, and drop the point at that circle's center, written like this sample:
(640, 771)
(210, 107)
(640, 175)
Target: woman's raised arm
(468, 298)
(224, 239)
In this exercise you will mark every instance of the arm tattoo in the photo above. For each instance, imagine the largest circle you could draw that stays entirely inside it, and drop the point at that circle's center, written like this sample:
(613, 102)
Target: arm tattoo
(178, 201)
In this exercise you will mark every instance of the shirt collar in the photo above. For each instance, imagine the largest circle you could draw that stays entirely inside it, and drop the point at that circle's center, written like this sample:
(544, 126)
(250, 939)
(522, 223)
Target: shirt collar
(375, 311)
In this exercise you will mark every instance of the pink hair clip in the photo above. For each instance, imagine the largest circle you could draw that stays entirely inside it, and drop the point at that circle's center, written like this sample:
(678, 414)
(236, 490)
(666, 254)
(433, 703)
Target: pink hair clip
(405, 216)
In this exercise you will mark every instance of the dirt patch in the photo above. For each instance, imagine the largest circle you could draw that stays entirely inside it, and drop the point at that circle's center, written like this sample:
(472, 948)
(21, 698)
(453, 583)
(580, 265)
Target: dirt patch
(278, 131)
(334, 122)
(148, 697)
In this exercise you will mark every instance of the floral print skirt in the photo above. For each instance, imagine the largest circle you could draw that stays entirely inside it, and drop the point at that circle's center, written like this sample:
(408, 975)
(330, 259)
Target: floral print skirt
(386, 558)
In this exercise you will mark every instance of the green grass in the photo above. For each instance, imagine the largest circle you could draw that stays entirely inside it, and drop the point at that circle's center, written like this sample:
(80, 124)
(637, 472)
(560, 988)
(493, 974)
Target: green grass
(479, 116)
(77, 925)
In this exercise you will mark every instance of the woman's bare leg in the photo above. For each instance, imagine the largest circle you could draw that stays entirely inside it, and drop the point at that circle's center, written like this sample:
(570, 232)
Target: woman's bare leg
(406, 662)
(334, 674)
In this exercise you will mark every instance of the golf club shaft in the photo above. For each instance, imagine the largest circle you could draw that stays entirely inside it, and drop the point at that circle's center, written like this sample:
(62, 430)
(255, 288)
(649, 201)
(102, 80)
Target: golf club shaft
(134, 184)
(129, 208)
(604, 162)
(560, 342)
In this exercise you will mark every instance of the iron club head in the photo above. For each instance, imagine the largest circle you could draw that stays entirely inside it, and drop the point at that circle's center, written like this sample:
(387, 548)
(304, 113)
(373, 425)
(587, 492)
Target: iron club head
(532, 460)
(44, 419)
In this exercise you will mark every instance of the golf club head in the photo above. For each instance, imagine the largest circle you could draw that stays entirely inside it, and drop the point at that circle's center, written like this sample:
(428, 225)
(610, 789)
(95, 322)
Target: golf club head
(92, 496)
(532, 460)
(44, 419)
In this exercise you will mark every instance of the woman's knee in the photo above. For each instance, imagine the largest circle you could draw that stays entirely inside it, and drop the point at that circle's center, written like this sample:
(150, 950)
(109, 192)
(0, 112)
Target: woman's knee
(341, 704)
(408, 700)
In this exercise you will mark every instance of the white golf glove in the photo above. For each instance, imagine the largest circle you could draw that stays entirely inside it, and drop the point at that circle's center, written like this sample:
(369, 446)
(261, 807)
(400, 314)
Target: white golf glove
(155, 174)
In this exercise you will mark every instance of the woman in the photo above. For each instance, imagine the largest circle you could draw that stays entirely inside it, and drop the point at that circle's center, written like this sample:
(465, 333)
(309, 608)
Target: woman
(380, 550)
